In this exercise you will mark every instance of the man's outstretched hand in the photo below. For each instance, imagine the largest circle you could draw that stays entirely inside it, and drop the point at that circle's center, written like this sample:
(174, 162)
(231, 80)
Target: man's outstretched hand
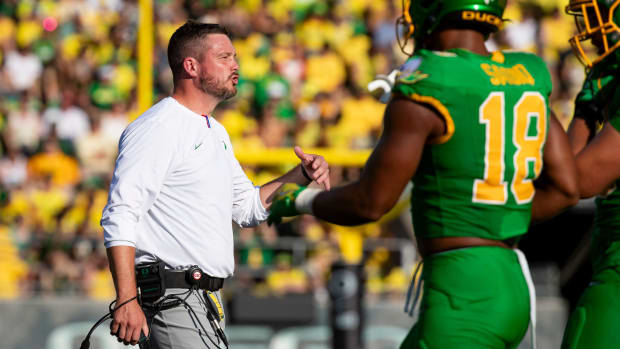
(315, 166)
(284, 205)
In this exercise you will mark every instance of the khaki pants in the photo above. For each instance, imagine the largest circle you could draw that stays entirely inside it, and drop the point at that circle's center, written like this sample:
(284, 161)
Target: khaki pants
(180, 328)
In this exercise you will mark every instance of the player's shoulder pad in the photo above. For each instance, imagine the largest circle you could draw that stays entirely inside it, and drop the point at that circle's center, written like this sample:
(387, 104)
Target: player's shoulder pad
(423, 65)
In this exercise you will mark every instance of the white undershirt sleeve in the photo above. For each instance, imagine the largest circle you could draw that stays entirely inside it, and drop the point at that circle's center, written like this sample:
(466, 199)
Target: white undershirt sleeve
(145, 157)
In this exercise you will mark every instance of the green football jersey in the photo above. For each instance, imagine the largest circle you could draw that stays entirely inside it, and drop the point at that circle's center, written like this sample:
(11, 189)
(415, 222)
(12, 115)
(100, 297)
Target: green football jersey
(476, 180)
(600, 95)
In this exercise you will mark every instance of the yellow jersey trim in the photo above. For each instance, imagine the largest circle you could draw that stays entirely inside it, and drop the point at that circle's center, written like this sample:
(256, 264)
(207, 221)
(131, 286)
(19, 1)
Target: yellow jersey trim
(498, 57)
(435, 103)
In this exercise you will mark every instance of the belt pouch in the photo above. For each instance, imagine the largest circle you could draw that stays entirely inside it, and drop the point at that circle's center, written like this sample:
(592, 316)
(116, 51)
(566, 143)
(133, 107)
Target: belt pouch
(150, 282)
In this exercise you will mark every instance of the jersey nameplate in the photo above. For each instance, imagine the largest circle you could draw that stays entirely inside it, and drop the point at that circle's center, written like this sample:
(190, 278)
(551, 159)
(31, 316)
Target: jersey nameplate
(515, 75)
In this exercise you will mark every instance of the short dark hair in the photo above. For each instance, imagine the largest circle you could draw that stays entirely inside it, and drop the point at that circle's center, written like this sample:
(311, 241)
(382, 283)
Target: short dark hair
(187, 41)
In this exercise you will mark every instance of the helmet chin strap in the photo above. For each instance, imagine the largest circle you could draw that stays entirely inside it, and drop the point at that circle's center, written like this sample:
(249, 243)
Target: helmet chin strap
(407, 17)
(405, 21)
(403, 40)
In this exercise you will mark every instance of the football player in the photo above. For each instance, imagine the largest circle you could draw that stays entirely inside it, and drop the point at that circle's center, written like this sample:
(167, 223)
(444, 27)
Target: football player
(595, 322)
(473, 131)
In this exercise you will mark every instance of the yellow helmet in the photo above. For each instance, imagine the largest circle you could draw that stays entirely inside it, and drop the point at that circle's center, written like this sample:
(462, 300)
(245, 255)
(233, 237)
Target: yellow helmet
(596, 20)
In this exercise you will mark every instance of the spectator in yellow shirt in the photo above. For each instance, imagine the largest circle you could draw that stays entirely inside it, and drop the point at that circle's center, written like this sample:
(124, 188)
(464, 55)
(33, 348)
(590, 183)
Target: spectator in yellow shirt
(286, 279)
(63, 169)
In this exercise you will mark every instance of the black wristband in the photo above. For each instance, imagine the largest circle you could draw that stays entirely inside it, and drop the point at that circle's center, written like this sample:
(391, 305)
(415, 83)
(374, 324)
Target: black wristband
(303, 172)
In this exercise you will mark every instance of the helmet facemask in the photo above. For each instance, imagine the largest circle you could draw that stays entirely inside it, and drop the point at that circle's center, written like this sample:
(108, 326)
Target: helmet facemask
(404, 28)
(596, 24)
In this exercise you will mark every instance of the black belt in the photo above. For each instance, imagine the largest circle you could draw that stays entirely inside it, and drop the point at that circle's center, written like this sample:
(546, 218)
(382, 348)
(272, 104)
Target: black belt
(179, 279)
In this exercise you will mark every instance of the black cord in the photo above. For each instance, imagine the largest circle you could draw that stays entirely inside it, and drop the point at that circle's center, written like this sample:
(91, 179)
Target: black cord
(114, 302)
(178, 301)
(189, 307)
(161, 304)
(158, 306)
(213, 316)
(86, 342)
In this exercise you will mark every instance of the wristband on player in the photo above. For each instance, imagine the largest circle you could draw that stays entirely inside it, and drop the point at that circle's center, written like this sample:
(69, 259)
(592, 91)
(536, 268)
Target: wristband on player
(303, 201)
(303, 172)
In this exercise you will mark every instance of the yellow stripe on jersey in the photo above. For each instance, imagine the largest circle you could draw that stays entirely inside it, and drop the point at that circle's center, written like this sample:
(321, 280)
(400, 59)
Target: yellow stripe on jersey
(441, 109)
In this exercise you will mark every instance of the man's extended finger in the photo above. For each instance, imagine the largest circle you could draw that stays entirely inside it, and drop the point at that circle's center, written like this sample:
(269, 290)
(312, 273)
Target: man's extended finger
(122, 332)
(128, 338)
(145, 329)
(318, 162)
(324, 180)
(318, 173)
(305, 158)
(135, 336)
(114, 328)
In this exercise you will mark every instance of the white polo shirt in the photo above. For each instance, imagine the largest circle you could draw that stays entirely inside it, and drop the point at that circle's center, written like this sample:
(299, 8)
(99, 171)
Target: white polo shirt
(176, 189)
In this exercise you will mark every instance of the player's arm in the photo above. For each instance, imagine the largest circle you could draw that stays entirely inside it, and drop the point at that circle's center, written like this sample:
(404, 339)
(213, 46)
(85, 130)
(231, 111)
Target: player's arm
(598, 164)
(407, 127)
(579, 134)
(587, 118)
(557, 187)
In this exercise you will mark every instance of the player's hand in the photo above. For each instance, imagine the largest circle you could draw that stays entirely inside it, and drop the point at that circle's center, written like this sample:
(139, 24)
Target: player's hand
(128, 322)
(283, 205)
(589, 111)
(316, 167)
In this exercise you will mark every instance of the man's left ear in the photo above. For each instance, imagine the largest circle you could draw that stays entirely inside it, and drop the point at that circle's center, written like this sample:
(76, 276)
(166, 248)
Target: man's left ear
(191, 67)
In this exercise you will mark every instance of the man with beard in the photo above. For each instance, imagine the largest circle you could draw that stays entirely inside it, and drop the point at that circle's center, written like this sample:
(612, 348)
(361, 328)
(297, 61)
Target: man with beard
(176, 188)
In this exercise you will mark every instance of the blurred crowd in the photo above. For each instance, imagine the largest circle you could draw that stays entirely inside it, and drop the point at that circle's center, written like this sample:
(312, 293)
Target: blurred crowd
(68, 76)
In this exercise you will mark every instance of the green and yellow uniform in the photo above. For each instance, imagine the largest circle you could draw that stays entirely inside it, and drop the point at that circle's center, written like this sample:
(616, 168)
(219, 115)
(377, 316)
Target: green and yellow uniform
(595, 321)
(476, 181)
